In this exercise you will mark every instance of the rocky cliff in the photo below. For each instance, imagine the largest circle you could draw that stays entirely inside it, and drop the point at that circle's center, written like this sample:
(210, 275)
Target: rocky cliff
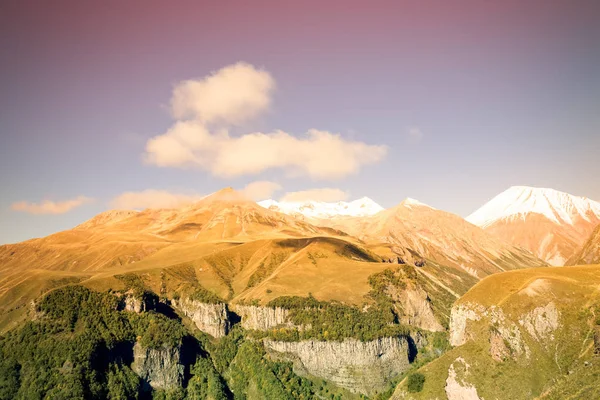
(210, 318)
(139, 303)
(262, 318)
(361, 367)
(457, 388)
(506, 335)
(159, 368)
(417, 311)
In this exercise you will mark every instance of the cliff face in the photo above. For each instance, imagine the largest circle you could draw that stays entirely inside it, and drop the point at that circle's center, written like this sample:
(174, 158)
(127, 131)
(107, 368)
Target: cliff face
(262, 318)
(417, 310)
(505, 335)
(160, 368)
(209, 318)
(139, 303)
(361, 367)
(457, 388)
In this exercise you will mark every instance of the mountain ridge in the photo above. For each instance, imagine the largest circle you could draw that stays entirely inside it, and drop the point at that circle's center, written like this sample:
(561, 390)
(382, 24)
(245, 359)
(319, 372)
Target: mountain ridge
(320, 209)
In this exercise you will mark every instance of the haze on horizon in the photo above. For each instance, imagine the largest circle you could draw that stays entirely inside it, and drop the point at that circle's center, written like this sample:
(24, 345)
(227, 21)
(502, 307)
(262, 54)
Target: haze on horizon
(138, 104)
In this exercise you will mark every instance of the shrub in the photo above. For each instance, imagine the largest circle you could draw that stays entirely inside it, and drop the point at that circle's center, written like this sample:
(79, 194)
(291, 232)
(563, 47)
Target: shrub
(415, 382)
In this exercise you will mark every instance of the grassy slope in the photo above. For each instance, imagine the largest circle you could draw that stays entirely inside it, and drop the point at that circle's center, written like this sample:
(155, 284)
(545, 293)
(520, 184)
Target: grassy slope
(261, 268)
(574, 291)
(331, 268)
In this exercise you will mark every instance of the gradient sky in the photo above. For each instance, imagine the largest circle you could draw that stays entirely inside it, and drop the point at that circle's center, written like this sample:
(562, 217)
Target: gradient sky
(470, 97)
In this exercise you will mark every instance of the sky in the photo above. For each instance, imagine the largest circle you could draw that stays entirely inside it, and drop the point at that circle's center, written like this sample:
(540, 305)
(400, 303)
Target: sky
(140, 104)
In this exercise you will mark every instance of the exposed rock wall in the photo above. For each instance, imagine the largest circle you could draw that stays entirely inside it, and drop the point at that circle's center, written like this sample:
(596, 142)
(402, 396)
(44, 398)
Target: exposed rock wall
(160, 368)
(361, 367)
(506, 336)
(417, 310)
(262, 318)
(139, 303)
(134, 304)
(457, 387)
(541, 322)
(460, 315)
(210, 318)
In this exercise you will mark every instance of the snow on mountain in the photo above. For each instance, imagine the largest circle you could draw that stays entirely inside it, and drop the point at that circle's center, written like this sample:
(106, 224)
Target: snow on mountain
(408, 202)
(520, 201)
(322, 210)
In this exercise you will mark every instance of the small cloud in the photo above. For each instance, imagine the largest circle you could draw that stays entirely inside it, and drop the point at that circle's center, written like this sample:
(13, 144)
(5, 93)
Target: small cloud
(231, 95)
(151, 198)
(260, 190)
(323, 194)
(51, 207)
(415, 134)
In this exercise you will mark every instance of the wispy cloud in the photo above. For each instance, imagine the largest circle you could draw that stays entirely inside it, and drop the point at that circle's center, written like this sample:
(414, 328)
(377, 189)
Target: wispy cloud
(51, 207)
(321, 194)
(152, 198)
(415, 134)
(260, 190)
(206, 108)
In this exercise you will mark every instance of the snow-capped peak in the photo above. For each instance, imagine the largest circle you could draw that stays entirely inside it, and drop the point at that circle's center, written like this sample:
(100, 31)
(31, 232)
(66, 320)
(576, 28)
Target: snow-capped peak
(324, 210)
(518, 201)
(408, 202)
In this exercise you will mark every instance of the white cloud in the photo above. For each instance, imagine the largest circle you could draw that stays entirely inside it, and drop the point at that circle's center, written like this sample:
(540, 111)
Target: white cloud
(205, 108)
(415, 134)
(230, 95)
(322, 194)
(260, 190)
(151, 198)
(51, 207)
(319, 154)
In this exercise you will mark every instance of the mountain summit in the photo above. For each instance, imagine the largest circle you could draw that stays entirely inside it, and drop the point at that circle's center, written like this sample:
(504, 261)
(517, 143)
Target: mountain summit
(550, 223)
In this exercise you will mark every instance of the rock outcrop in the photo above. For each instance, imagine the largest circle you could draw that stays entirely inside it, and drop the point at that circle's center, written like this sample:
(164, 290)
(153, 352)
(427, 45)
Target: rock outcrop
(417, 310)
(460, 315)
(506, 336)
(209, 318)
(159, 368)
(457, 388)
(262, 318)
(361, 367)
(541, 322)
(139, 303)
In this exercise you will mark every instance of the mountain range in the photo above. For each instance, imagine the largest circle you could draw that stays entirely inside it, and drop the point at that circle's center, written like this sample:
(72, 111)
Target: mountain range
(229, 241)
(314, 276)
(552, 225)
